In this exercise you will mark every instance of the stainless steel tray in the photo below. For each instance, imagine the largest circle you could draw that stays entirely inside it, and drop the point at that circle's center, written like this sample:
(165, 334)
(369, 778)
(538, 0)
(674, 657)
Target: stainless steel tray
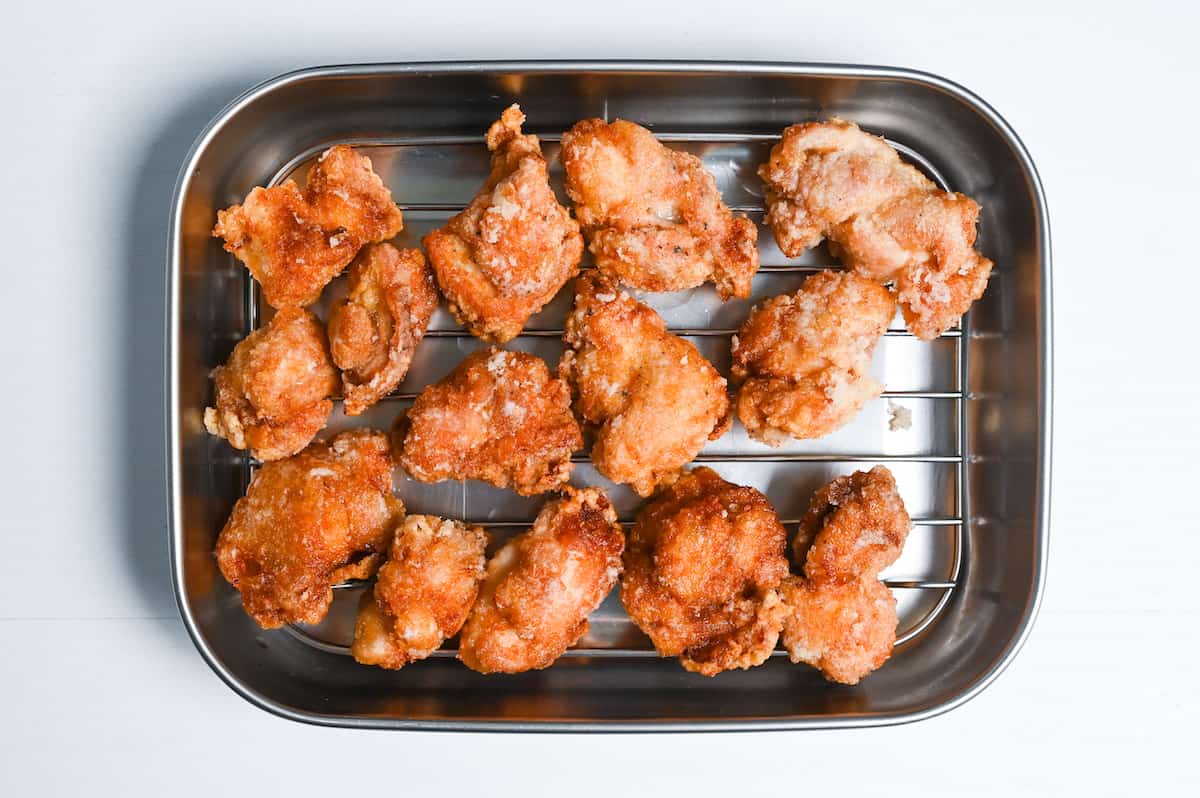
(973, 468)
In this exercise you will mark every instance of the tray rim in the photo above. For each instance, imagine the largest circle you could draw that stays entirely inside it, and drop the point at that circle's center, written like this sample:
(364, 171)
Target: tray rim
(660, 66)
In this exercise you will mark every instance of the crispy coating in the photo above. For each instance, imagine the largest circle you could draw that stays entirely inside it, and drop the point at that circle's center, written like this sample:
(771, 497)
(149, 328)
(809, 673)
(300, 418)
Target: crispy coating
(702, 566)
(854, 528)
(511, 250)
(422, 593)
(272, 395)
(841, 619)
(653, 397)
(542, 585)
(375, 330)
(653, 216)
(884, 219)
(499, 417)
(307, 523)
(845, 631)
(802, 360)
(294, 242)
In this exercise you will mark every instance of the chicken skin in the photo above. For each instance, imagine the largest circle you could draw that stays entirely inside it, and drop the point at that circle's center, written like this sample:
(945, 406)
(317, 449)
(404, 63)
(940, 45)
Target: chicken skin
(294, 242)
(883, 218)
(652, 396)
(840, 618)
(499, 417)
(307, 523)
(702, 566)
(422, 593)
(375, 330)
(542, 585)
(272, 396)
(653, 216)
(802, 360)
(504, 257)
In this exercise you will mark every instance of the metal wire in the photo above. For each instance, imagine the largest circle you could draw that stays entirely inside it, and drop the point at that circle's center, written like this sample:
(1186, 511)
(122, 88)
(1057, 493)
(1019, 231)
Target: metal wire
(685, 332)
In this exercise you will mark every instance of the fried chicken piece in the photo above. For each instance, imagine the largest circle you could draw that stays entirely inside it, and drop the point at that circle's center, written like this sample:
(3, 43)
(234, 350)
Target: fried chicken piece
(307, 523)
(511, 250)
(845, 631)
(542, 585)
(854, 528)
(499, 417)
(423, 592)
(883, 218)
(653, 216)
(702, 566)
(841, 619)
(375, 330)
(272, 396)
(802, 360)
(294, 242)
(654, 398)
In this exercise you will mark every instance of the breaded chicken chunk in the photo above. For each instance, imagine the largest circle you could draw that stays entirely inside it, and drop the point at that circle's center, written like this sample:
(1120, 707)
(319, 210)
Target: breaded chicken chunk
(653, 216)
(499, 417)
(272, 396)
(854, 528)
(375, 330)
(802, 360)
(511, 250)
(652, 396)
(542, 585)
(702, 566)
(840, 618)
(845, 631)
(422, 593)
(294, 242)
(883, 218)
(307, 523)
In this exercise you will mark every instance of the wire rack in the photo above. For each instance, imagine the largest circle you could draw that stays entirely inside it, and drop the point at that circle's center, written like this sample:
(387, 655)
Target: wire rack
(333, 635)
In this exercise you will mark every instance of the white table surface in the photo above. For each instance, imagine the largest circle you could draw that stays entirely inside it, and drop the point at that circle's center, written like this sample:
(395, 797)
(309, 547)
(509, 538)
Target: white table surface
(101, 691)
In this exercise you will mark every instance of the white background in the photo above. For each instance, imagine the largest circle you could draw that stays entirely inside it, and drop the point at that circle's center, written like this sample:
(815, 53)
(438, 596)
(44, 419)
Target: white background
(100, 689)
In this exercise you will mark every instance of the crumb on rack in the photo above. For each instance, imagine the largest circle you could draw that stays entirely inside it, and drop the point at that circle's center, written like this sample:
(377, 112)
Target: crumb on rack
(899, 417)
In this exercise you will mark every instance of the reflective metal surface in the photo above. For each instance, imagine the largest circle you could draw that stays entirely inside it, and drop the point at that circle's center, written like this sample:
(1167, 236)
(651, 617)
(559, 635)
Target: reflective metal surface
(973, 467)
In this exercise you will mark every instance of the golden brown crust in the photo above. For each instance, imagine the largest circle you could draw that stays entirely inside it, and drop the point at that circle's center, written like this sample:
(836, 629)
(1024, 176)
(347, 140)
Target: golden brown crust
(629, 375)
(845, 631)
(375, 330)
(653, 216)
(841, 618)
(511, 250)
(294, 242)
(422, 594)
(272, 396)
(855, 527)
(542, 585)
(702, 566)
(802, 360)
(307, 523)
(884, 219)
(499, 417)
